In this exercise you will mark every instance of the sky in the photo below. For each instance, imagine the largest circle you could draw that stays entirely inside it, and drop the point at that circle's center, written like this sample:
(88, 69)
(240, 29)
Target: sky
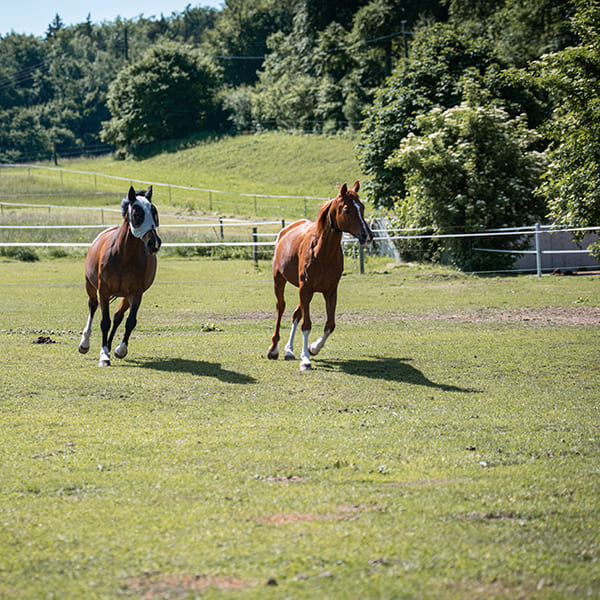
(34, 16)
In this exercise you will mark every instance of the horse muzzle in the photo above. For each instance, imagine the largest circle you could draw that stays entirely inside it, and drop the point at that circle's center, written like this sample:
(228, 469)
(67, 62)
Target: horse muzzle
(365, 237)
(152, 242)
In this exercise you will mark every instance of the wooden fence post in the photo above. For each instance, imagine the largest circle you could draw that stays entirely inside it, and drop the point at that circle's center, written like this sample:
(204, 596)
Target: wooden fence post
(538, 251)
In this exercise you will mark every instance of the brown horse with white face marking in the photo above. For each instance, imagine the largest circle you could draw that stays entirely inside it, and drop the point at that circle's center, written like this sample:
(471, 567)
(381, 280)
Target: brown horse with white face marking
(121, 263)
(309, 255)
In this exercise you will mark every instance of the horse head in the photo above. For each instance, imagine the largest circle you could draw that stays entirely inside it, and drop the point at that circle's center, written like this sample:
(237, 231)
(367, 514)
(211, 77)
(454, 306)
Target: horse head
(142, 217)
(347, 213)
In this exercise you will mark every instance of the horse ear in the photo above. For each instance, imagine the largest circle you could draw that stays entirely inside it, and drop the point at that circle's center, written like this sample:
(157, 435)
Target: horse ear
(131, 195)
(343, 190)
(356, 186)
(149, 193)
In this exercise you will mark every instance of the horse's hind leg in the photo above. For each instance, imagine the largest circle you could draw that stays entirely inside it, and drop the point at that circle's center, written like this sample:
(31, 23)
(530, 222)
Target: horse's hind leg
(330, 304)
(121, 349)
(279, 287)
(84, 344)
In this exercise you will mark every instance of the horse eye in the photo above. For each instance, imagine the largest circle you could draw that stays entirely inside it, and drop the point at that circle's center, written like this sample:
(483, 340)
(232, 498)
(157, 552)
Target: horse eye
(137, 215)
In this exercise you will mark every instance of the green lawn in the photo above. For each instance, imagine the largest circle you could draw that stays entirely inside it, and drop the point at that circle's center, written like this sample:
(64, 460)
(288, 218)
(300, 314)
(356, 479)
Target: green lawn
(446, 444)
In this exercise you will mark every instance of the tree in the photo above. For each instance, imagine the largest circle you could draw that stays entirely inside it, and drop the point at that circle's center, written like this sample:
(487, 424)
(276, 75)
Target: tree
(523, 30)
(285, 95)
(470, 168)
(380, 23)
(316, 15)
(239, 39)
(169, 93)
(54, 27)
(432, 76)
(22, 59)
(572, 182)
(442, 59)
(22, 138)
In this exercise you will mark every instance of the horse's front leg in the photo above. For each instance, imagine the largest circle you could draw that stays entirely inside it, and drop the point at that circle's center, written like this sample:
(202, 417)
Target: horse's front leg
(105, 326)
(305, 298)
(84, 344)
(121, 349)
(330, 304)
(117, 320)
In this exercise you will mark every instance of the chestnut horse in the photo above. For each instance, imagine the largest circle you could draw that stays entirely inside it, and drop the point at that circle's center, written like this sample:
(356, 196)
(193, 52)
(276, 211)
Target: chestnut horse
(121, 263)
(309, 255)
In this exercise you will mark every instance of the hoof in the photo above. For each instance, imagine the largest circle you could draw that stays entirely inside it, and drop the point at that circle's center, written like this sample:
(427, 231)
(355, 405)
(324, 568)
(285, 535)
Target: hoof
(121, 351)
(305, 366)
(312, 351)
(289, 355)
(83, 349)
(104, 357)
(272, 355)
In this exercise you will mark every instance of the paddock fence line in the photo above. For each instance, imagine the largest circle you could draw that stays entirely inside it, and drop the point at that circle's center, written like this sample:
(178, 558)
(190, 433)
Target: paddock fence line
(382, 237)
(536, 232)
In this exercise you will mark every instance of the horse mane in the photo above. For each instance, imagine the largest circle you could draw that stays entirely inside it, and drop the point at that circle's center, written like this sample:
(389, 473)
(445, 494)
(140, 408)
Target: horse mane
(322, 220)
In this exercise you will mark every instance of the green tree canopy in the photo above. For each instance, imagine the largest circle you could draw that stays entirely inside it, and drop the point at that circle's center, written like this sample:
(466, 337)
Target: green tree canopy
(239, 38)
(432, 76)
(470, 168)
(169, 93)
(572, 78)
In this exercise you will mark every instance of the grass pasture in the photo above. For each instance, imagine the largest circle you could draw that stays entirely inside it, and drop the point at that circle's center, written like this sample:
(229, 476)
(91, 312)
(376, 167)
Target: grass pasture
(446, 445)
(266, 176)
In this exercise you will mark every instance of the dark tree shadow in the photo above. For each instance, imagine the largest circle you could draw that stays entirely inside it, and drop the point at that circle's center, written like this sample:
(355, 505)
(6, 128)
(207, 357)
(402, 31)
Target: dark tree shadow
(201, 368)
(388, 369)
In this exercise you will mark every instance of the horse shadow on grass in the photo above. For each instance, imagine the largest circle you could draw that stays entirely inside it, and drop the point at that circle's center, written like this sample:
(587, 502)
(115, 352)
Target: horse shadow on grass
(201, 368)
(388, 369)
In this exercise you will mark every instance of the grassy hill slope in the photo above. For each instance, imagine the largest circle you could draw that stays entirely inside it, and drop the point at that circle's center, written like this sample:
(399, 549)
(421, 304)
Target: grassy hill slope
(269, 163)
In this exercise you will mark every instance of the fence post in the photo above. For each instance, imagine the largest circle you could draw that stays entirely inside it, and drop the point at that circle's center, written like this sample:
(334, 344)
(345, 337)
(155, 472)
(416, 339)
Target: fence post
(361, 258)
(221, 227)
(538, 251)
(254, 246)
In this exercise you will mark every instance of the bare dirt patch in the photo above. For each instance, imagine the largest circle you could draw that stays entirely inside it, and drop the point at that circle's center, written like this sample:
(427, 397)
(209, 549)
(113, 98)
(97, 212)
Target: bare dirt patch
(543, 316)
(548, 315)
(155, 586)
